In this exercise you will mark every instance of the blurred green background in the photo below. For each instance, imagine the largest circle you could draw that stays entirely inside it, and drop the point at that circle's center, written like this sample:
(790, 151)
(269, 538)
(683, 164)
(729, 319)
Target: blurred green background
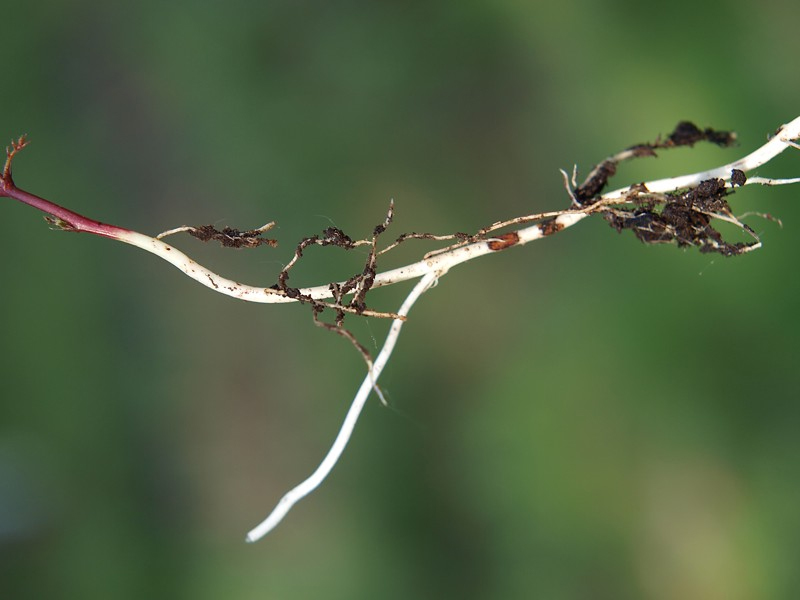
(585, 417)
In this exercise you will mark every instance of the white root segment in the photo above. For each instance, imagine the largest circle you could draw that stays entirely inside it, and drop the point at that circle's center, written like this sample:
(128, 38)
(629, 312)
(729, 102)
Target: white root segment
(770, 181)
(445, 260)
(775, 146)
(348, 425)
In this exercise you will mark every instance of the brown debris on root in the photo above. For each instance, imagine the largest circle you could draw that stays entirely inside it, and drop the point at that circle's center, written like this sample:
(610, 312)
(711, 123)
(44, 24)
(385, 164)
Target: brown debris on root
(231, 238)
(683, 218)
(688, 134)
(684, 134)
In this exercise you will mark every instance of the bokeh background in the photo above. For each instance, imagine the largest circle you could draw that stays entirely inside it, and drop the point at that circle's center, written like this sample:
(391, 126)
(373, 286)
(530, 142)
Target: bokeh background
(585, 417)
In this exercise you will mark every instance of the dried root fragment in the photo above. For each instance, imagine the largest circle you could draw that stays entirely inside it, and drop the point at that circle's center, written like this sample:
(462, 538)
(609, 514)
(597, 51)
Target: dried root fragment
(684, 218)
(233, 238)
(227, 236)
(685, 134)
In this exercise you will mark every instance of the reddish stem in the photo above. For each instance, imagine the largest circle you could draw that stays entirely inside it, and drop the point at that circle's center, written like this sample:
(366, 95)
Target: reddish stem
(63, 218)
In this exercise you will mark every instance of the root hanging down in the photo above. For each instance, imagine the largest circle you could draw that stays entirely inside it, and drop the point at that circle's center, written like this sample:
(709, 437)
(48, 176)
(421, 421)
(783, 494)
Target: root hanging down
(346, 430)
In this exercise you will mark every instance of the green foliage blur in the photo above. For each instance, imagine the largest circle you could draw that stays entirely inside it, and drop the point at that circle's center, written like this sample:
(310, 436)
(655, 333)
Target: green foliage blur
(585, 417)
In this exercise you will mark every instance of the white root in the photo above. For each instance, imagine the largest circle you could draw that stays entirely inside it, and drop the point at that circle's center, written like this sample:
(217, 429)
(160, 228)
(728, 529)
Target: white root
(345, 432)
(442, 261)
(428, 270)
